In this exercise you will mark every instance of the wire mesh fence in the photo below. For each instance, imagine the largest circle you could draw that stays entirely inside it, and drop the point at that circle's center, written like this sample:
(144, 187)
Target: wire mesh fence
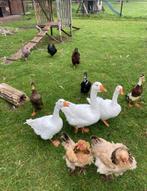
(130, 8)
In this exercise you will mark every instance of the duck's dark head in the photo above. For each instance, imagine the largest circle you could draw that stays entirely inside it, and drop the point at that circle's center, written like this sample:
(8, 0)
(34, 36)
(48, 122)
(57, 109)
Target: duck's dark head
(142, 77)
(141, 80)
(76, 50)
(51, 45)
(85, 77)
(33, 86)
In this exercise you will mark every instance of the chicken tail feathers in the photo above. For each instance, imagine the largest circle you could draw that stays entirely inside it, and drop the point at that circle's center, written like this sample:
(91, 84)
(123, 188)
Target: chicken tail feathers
(67, 142)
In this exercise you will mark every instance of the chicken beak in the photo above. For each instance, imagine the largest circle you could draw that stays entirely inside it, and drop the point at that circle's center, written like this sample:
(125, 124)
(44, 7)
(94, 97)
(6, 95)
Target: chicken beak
(66, 104)
(80, 146)
(102, 88)
(122, 91)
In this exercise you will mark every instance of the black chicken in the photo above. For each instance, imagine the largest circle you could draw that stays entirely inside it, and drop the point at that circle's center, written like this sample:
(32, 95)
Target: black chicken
(35, 99)
(85, 84)
(75, 57)
(51, 49)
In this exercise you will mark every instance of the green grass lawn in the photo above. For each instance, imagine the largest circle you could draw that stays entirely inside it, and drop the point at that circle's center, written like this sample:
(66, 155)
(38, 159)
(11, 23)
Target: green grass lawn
(113, 51)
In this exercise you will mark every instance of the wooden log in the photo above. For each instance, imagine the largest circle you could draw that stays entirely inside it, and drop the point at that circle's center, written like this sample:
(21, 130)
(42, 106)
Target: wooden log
(12, 95)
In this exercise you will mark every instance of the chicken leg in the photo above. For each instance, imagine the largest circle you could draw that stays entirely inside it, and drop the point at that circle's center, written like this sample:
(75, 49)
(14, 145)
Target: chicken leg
(83, 129)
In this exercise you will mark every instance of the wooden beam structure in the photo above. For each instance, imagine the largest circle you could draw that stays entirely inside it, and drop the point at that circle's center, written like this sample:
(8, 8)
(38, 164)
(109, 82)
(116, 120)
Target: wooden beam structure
(44, 13)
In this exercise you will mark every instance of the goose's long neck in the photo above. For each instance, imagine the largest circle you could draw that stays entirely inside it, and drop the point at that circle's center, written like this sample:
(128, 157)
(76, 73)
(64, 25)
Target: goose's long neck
(56, 112)
(93, 97)
(115, 96)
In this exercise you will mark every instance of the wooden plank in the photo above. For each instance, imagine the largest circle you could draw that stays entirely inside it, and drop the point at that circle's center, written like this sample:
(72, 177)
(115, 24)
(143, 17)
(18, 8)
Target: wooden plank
(33, 42)
(16, 56)
(30, 45)
(40, 35)
(37, 39)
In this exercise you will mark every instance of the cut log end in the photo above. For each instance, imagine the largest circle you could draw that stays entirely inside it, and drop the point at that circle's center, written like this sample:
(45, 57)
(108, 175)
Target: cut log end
(22, 99)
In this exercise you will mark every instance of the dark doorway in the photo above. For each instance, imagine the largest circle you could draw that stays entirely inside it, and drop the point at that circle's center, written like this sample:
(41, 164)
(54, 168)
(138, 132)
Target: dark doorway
(1, 12)
(90, 6)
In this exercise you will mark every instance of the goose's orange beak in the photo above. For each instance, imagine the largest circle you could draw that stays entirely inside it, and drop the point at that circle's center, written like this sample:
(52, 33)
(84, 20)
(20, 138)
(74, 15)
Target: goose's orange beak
(121, 91)
(66, 104)
(102, 88)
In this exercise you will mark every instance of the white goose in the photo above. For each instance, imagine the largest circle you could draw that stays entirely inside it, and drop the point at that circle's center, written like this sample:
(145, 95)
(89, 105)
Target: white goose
(49, 125)
(81, 115)
(109, 108)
